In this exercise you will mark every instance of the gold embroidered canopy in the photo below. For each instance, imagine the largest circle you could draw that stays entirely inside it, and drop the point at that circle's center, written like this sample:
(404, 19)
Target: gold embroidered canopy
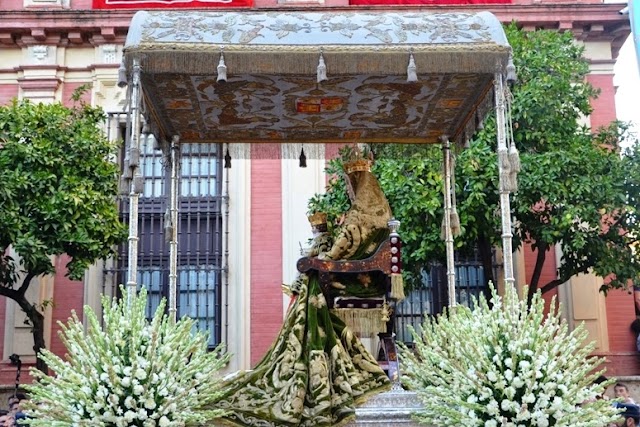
(313, 77)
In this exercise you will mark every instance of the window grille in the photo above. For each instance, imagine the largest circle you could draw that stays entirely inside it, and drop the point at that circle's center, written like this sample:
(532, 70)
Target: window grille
(200, 258)
(430, 298)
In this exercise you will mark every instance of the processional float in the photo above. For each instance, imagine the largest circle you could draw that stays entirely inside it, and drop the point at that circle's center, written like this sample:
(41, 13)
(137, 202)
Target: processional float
(315, 77)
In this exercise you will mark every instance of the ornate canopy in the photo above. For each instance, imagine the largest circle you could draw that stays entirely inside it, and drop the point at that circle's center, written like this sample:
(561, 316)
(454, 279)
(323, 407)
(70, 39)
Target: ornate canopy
(274, 90)
(314, 77)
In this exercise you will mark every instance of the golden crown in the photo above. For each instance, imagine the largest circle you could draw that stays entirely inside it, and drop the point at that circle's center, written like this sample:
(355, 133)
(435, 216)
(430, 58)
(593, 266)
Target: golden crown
(360, 165)
(318, 218)
(356, 159)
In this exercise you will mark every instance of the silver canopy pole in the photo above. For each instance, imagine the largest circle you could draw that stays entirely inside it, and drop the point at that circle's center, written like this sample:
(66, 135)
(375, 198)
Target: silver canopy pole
(135, 187)
(173, 229)
(448, 233)
(503, 173)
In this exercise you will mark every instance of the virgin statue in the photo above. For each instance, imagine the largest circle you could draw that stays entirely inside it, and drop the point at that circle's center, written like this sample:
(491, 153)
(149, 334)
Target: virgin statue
(318, 370)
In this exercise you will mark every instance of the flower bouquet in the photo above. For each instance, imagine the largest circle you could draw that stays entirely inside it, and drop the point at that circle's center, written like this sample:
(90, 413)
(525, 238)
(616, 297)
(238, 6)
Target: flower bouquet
(128, 372)
(505, 364)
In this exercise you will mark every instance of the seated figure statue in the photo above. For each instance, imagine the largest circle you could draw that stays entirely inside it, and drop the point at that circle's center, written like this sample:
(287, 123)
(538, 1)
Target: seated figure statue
(365, 223)
(317, 369)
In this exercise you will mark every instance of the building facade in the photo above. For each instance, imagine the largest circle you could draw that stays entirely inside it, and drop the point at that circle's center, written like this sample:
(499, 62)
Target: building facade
(242, 227)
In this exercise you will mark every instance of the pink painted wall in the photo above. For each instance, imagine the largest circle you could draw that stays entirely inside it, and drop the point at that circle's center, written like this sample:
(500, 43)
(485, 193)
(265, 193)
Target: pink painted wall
(69, 88)
(548, 271)
(266, 250)
(7, 93)
(68, 295)
(604, 106)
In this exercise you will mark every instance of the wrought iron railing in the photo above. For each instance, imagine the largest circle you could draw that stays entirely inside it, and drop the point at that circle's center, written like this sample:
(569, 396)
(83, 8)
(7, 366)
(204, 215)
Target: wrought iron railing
(200, 231)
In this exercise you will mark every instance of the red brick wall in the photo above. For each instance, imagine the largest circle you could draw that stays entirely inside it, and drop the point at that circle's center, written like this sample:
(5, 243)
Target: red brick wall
(622, 357)
(7, 93)
(604, 106)
(266, 251)
(620, 314)
(67, 93)
(548, 271)
(67, 295)
(331, 151)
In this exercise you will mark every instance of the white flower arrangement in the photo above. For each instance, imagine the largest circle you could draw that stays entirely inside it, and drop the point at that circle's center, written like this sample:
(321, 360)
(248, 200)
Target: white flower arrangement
(505, 365)
(130, 372)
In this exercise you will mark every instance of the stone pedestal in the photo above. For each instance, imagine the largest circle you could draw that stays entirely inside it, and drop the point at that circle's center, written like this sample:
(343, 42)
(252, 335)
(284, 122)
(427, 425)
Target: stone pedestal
(390, 409)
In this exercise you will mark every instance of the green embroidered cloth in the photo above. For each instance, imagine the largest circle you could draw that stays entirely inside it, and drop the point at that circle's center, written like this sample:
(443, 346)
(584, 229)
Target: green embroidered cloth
(314, 374)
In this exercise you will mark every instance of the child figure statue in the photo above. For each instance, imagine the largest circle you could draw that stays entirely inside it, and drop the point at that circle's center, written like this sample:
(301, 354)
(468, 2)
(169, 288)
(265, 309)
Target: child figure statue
(321, 243)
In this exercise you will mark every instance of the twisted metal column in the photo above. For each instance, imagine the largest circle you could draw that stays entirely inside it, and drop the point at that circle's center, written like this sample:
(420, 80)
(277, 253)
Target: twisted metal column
(448, 233)
(135, 187)
(173, 239)
(505, 205)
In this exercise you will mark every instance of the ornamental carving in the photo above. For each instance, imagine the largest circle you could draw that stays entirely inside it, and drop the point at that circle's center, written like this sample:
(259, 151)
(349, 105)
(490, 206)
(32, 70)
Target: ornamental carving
(297, 28)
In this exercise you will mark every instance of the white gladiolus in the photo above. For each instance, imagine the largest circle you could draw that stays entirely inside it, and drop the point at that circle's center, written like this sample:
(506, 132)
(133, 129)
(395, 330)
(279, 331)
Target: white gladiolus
(528, 369)
(128, 371)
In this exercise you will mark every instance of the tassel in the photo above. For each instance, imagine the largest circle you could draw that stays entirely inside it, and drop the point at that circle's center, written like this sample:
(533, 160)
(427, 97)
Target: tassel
(303, 159)
(168, 227)
(127, 172)
(365, 321)
(124, 186)
(513, 182)
(455, 222)
(138, 184)
(480, 122)
(503, 155)
(443, 230)
(322, 69)
(227, 160)
(122, 75)
(511, 71)
(514, 159)
(397, 287)
(222, 70)
(412, 75)
(454, 219)
(505, 181)
(134, 157)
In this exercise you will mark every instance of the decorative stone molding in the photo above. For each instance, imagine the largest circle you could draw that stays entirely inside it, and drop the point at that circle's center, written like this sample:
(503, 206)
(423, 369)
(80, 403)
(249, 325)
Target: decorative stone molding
(391, 409)
(109, 54)
(46, 3)
(40, 54)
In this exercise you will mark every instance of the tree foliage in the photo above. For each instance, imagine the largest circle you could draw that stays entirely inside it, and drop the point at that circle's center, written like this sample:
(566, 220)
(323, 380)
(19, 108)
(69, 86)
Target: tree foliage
(575, 187)
(57, 192)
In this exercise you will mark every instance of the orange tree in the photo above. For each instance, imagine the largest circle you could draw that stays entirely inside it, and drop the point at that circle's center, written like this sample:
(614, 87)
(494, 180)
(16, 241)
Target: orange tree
(577, 188)
(58, 185)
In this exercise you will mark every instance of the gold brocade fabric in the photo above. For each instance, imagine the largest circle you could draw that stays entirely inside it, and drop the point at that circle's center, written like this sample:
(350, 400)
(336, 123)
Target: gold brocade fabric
(367, 217)
(317, 370)
(314, 374)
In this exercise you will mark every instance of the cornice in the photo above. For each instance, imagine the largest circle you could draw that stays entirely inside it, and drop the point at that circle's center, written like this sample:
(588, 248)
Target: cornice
(588, 21)
(64, 27)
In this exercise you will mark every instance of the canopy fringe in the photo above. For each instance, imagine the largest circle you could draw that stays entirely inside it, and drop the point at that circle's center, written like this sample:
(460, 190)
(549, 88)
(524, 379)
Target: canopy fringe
(365, 321)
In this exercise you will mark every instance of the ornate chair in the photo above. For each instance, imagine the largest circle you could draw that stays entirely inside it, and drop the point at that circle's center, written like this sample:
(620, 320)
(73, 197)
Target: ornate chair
(360, 291)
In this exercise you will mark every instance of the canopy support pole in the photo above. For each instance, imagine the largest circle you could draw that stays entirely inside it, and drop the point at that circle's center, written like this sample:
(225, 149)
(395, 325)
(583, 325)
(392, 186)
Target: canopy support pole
(503, 173)
(135, 187)
(448, 233)
(174, 152)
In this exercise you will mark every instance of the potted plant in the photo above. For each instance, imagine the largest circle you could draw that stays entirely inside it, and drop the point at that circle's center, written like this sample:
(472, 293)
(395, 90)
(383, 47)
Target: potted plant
(129, 371)
(505, 364)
